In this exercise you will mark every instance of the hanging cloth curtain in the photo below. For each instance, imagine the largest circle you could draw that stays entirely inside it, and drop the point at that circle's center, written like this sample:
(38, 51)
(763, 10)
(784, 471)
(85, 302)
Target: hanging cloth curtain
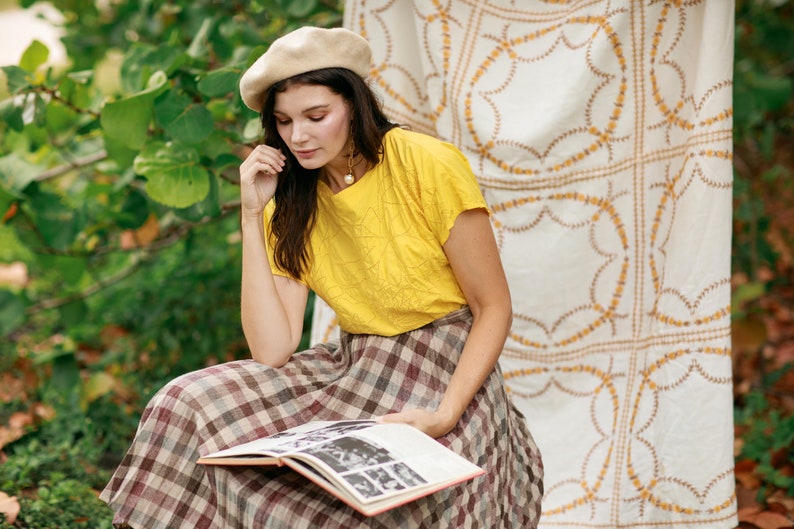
(600, 132)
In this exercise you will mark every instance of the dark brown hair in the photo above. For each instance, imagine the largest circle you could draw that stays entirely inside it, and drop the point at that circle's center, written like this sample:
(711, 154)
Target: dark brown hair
(296, 191)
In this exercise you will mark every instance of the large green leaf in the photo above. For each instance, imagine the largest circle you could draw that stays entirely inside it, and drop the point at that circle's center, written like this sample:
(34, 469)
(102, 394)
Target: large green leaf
(34, 56)
(119, 151)
(127, 120)
(173, 173)
(220, 83)
(182, 120)
(209, 207)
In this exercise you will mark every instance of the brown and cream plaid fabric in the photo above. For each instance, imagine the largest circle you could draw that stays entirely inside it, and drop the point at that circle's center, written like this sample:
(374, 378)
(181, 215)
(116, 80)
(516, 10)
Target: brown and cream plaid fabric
(158, 484)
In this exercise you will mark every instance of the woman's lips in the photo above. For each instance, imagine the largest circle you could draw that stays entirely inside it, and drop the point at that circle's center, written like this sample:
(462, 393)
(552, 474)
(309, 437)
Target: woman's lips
(305, 154)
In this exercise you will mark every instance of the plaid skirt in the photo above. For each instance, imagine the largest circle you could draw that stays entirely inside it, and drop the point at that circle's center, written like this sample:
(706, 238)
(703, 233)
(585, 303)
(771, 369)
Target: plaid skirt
(159, 485)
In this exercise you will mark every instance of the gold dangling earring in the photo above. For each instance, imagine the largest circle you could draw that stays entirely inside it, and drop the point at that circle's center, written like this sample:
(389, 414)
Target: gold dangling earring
(349, 178)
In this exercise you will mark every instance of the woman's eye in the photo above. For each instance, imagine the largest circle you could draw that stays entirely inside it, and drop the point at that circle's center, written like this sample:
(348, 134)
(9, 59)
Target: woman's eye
(316, 118)
(282, 121)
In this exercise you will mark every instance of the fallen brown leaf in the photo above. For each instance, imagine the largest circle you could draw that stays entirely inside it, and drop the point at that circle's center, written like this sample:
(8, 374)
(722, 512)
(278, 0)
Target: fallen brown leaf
(9, 505)
(11, 388)
(141, 237)
(10, 212)
(780, 502)
(772, 520)
(763, 519)
(744, 471)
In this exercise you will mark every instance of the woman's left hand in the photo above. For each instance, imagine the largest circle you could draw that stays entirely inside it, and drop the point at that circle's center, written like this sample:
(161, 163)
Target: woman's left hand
(433, 423)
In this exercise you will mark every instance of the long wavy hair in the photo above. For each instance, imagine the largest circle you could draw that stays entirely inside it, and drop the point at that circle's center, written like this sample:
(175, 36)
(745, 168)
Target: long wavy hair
(296, 192)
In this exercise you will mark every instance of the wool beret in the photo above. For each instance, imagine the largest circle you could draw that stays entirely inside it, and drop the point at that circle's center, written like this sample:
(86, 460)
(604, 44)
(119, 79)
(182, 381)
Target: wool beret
(300, 51)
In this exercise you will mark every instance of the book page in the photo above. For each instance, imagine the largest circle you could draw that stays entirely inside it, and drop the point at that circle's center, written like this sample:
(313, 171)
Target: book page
(387, 460)
(291, 440)
(370, 465)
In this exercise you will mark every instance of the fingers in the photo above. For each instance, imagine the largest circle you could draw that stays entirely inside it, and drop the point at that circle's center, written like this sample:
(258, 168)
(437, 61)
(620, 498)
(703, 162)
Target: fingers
(266, 159)
(259, 174)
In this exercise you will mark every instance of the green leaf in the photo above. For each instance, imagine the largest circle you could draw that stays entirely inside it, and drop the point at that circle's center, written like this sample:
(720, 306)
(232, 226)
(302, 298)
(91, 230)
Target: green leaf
(17, 78)
(12, 312)
(16, 172)
(182, 120)
(73, 313)
(71, 269)
(174, 174)
(65, 373)
(209, 207)
(82, 77)
(225, 161)
(39, 111)
(11, 115)
(746, 292)
(134, 211)
(198, 46)
(98, 384)
(77, 90)
(301, 8)
(119, 152)
(773, 92)
(220, 83)
(56, 224)
(127, 120)
(60, 117)
(143, 61)
(34, 56)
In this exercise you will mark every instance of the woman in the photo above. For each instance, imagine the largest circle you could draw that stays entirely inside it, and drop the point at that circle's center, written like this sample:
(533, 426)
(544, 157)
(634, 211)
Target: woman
(390, 228)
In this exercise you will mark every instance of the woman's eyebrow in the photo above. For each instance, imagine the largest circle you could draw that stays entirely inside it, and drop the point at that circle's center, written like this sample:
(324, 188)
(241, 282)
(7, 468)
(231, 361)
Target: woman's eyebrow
(322, 106)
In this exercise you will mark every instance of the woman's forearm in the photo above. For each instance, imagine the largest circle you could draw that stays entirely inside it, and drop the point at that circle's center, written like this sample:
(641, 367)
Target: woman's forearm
(271, 336)
(478, 358)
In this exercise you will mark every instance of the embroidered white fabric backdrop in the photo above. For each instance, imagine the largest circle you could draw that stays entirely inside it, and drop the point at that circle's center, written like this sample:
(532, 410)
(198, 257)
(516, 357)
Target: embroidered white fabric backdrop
(600, 132)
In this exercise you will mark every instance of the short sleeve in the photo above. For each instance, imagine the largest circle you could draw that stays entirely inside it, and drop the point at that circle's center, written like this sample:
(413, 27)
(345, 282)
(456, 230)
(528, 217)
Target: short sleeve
(448, 187)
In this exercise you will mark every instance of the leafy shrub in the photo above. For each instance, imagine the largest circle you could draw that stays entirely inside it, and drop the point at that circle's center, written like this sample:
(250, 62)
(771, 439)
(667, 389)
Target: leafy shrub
(767, 440)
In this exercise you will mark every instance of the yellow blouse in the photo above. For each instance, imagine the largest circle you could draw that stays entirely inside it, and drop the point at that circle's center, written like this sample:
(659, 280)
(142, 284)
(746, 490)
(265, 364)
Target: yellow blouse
(376, 253)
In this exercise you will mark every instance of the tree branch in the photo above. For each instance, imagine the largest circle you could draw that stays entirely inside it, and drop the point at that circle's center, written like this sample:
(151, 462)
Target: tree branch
(91, 290)
(76, 164)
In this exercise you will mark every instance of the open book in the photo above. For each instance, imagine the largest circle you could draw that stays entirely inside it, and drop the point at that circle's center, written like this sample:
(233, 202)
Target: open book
(371, 466)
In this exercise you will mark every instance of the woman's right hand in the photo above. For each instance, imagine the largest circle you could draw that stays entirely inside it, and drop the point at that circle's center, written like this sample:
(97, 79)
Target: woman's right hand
(258, 177)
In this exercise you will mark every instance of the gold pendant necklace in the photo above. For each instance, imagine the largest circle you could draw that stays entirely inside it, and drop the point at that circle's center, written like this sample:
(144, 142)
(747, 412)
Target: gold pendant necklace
(349, 178)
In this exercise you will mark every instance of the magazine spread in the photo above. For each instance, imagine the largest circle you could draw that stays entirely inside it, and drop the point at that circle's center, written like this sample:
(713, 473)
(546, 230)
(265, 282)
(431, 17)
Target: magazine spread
(369, 465)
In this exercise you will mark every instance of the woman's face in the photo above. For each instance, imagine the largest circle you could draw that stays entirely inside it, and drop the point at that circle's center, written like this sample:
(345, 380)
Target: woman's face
(314, 122)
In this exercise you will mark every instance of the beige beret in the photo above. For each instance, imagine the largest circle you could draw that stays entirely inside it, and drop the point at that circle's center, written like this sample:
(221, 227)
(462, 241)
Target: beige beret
(300, 51)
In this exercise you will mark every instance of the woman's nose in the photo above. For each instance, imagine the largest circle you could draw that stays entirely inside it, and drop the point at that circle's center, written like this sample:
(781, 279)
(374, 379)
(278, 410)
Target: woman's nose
(298, 133)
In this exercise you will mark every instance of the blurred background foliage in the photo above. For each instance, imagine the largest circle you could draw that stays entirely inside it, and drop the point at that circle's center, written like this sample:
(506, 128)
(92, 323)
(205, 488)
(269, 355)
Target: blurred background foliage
(119, 244)
(762, 258)
(119, 235)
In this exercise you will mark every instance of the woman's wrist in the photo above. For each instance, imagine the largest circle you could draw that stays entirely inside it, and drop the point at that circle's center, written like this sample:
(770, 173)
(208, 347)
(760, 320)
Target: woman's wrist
(448, 416)
(252, 227)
